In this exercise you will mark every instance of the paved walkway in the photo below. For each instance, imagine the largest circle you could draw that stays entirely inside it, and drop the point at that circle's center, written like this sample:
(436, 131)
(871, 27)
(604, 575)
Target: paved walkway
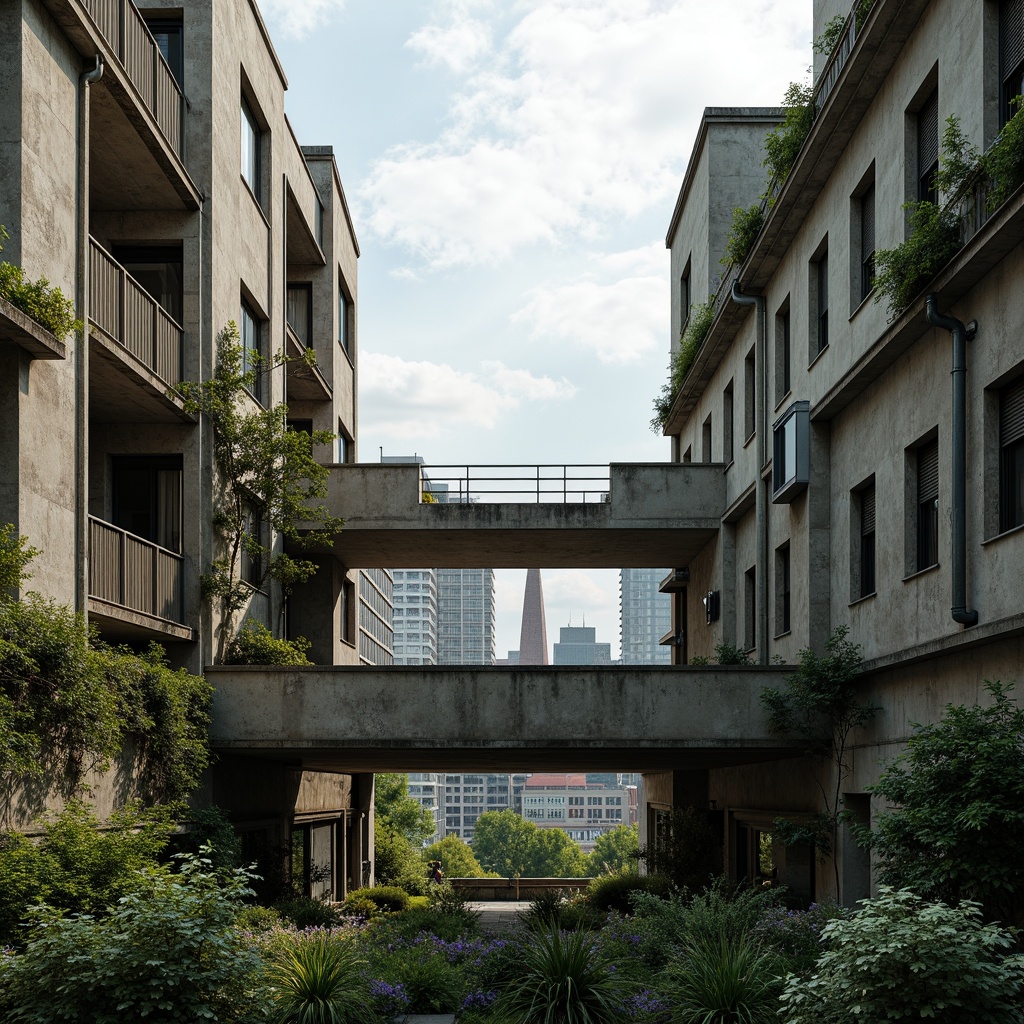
(498, 915)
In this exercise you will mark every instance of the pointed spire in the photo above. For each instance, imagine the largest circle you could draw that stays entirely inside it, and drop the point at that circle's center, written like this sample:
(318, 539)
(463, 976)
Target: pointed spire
(533, 638)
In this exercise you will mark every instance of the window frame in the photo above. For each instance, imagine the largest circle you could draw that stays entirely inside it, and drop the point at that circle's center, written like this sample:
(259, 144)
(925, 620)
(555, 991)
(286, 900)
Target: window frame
(249, 363)
(926, 506)
(251, 169)
(791, 461)
(1011, 455)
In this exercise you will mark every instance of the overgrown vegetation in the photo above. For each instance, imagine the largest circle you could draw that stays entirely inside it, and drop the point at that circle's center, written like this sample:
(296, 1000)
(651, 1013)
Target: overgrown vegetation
(783, 143)
(743, 231)
(270, 484)
(820, 705)
(37, 299)
(254, 644)
(684, 851)
(697, 328)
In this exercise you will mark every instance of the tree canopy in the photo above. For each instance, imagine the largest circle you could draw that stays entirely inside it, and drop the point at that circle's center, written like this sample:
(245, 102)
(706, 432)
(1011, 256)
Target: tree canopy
(616, 851)
(509, 845)
(456, 857)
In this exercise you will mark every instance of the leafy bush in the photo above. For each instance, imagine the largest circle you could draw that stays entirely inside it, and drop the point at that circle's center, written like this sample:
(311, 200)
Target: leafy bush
(796, 935)
(564, 977)
(360, 906)
(319, 980)
(615, 892)
(744, 229)
(901, 272)
(254, 644)
(258, 920)
(168, 951)
(47, 306)
(388, 898)
(15, 554)
(305, 912)
(1005, 160)
(783, 143)
(901, 958)
(833, 31)
(687, 852)
(699, 325)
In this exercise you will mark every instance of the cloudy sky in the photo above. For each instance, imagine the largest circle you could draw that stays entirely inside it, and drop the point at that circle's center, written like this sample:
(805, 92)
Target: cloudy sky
(511, 167)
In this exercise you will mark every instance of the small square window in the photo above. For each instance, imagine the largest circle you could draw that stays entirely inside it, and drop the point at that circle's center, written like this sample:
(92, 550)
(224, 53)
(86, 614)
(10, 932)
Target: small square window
(791, 453)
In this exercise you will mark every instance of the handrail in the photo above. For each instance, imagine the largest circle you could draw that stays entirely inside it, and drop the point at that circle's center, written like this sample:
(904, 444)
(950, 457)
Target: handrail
(544, 483)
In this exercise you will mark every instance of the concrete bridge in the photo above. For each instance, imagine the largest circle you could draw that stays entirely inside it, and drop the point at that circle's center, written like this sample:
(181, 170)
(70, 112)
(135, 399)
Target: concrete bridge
(652, 515)
(517, 718)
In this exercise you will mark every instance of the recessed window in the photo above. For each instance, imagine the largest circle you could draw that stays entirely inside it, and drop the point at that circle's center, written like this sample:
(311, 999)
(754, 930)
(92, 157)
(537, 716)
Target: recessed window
(866, 217)
(300, 312)
(927, 505)
(750, 609)
(705, 441)
(250, 149)
(343, 318)
(782, 590)
(727, 424)
(928, 149)
(819, 303)
(158, 268)
(749, 406)
(252, 557)
(1011, 55)
(862, 534)
(146, 497)
(685, 298)
(791, 453)
(346, 446)
(249, 331)
(1011, 456)
(783, 360)
(168, 35)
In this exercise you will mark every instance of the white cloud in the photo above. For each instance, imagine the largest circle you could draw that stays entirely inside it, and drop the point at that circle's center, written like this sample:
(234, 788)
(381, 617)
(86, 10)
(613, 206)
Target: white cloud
(581, 115)
(419, 399)
(618, 310)
(575, 591)
(297, 19)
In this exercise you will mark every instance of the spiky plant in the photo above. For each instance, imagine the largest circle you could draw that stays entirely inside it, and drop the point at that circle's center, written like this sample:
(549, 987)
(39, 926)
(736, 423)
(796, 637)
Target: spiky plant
(318, 981)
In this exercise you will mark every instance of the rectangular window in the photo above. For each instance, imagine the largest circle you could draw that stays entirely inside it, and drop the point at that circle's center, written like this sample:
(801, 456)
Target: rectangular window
(249, 339)
(346, 612)
(749, 406)
(685, 300)
(146, 497)
(866, 546)
(346, 453)
(928, 149)
(705, 441)
(1011, 55)
(783, 361)
(158, 269)
(727, 417)
(867, 241)
(819, 304)
(782, 590)
(1011, 456)
(251, 560)
(168, 37)
(250, 150)
(343, 315)
(927, 505)
(750, 609)
(688, 454)
(300, 312)
(791, 463)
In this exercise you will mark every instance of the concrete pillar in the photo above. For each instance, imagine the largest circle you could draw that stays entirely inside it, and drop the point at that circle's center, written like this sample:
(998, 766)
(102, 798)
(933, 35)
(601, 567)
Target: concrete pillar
(311, 612)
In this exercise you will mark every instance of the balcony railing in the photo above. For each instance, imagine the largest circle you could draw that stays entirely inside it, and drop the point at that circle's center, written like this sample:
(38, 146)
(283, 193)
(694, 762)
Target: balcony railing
(462, 485)
(124, 310)
(134, 573)
(126, 33)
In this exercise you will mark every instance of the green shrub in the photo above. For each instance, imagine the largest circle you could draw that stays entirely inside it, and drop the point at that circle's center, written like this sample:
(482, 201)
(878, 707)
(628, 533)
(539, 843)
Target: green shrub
(615, 892)
(360, 906)
(687, 851)
(702, 316)
(387, 898)
(258, 919)
(1004, 162)
(15, 554)
(901, 958)
(783, 143)
(36, 299)
(796, 935)
(319, 980)
(744, 230)
(168, 951)
(304, 912)
(254, 644)
(724, 911)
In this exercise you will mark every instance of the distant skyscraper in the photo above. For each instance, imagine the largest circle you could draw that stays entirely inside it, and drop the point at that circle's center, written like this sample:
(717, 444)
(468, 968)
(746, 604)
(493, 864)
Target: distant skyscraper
(577, 645)
(376, 611)
(645, 616)
(533, 638)
(415, 617)
(465, 616)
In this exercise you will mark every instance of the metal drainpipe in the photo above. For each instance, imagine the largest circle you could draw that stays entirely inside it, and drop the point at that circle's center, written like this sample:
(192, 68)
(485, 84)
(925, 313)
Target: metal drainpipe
(82, 348)
(761, 494)
(962, 333)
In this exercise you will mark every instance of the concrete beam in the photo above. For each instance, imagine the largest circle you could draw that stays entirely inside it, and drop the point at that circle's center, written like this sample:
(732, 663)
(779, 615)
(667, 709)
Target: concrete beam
(412, 718)
(655, 515)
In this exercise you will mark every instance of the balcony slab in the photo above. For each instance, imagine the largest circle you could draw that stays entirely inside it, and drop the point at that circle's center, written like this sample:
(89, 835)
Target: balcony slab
(17, 328)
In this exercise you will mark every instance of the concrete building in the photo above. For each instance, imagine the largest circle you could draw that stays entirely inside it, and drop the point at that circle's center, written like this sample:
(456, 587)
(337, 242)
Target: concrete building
(645, 616)
(415, 616)
(376, 616)
(831, 421)
(577, 645)
(147, 168)
(427, 789)
(567, 802)
(465, 616)
(467, 796)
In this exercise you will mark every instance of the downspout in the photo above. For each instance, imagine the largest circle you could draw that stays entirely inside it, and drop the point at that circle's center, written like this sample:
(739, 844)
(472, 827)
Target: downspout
(761, 490)
(82, 348)
(961, 335)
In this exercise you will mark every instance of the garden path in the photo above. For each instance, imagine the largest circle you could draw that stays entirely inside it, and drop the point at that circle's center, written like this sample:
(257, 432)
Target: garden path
(499, 915)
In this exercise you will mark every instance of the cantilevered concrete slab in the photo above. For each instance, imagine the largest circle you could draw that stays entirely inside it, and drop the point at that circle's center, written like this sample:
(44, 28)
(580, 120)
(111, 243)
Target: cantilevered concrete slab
(656, 514)
(412, 718)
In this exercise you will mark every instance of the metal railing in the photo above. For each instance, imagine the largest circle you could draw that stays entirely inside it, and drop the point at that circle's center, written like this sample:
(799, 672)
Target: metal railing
(134, 573)
(840, 55)
(516, 484)
(120, 307)
(126, 33)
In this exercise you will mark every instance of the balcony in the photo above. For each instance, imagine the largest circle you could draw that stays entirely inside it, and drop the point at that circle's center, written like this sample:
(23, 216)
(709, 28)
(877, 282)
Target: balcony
(135, 586)
(17, 328)
(306, 381)
(135, 350)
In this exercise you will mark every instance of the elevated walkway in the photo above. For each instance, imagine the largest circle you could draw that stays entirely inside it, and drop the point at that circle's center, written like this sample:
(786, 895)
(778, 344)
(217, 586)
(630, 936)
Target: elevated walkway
(647, 515)
(517, 718)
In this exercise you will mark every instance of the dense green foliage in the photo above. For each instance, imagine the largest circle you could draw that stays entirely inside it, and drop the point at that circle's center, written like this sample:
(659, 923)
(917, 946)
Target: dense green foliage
(320, 980)
(697, 329)
(615, 851)
(15, 554)
(686, 851)
(743, 231)
(901, 959)
(509, 845)
(456, 857)
(782, 144)
(254, 644)
(400, 827)
(617, 892)
(269, 481)
(956, 827)
(1004, 162)
(47, 306)
(166, 952)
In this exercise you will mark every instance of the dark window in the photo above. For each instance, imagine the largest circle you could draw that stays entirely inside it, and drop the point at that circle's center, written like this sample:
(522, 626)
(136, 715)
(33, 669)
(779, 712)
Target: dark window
(727, 424)
(822, 302)
(251, 355)
(146, 497)
(347, 611)
(791, 453)
(867, 540)
(705, 441)
(928, 149)
(685, 300)
(783, 361)
(867, 241)
(749, 418)
(303, 426)
(300, 312)
(251, 560)
(928, 505)
(168, 36)
(1011, 55)
(343, 326)
(157, 268)
(688, 454)
(782, 592)
(250, 149)
(1011, 456)
(750, 608)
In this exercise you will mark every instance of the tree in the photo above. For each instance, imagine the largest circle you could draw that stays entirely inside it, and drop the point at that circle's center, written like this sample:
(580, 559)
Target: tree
(615, 851)
(503, 842)
(684, 849)
(958, 828)
(15, 554)
(820, 706)
(456, 857)
(268, 480)
(393, 808)
(555, 855)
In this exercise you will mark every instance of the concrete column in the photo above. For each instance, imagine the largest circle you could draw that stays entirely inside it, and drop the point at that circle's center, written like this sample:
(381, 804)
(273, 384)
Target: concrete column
(311, 612)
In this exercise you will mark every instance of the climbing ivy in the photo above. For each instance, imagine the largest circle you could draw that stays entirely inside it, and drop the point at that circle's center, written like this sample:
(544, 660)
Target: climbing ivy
(697, 328)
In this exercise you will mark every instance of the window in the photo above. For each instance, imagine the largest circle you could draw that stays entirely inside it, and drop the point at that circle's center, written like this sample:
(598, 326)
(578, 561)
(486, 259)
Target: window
(866, 218)
(168, 38)
(782, 590)
(727, 417)
(819, 302)
(1011, 55)
(1011, 455)
(928, 149)
(783, 382)
(251, 356)
(685, 300)
(791, 453)
(863, 534)
(705, 441)
(250, 150)
(300, 312)
(750, 609)
(251, 561)
(146, 497)
(346, 453)
(927, 459)
(157, 268)
(343, 315)
(688, 454)
(346, 612)
(749, 406)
